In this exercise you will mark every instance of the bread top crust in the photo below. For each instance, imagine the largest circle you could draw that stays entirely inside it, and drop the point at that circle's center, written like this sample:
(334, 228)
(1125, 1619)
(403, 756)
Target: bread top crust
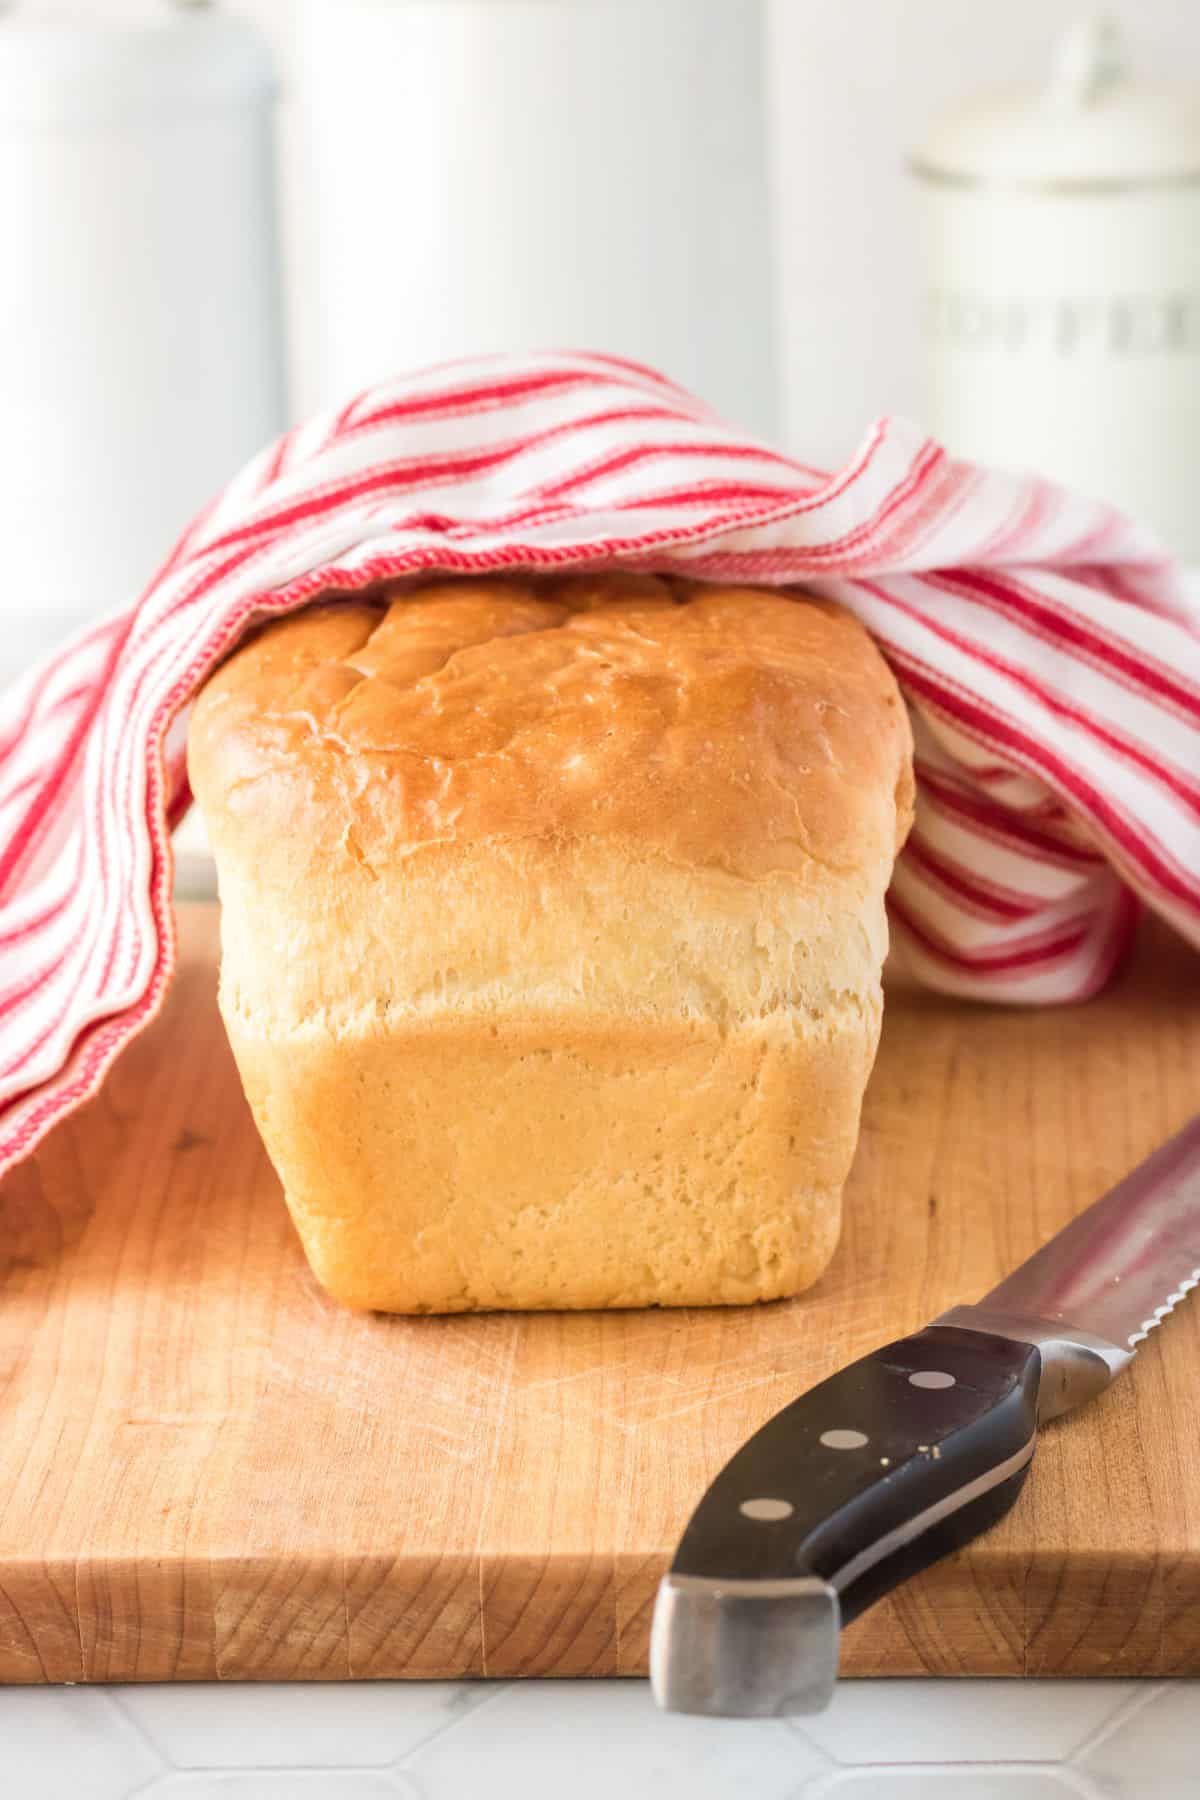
(732, 728)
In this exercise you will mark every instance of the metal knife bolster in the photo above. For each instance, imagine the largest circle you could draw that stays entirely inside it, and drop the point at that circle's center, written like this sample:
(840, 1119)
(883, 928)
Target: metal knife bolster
(1075, 1365)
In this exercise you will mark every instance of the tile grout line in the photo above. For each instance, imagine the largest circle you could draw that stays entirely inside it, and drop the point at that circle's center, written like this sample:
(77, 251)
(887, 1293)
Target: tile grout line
(1083, 1783)
(827, 1757)
(386, 1765)
(112, 1699)
(1121, 1714)
(194, 1772)
(459, 1717)
(151, 1781)
(1075, 1779)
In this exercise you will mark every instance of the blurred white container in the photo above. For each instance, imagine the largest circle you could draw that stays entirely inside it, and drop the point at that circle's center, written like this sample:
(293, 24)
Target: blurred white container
(1063, 267)
(140, 355)
(507, 174)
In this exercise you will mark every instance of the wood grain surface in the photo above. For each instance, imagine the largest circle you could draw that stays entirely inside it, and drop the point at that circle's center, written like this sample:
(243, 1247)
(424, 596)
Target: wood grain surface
(208, 1469)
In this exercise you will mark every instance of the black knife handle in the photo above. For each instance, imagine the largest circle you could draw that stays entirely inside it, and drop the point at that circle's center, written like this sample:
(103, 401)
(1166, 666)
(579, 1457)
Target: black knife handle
(878, 1472)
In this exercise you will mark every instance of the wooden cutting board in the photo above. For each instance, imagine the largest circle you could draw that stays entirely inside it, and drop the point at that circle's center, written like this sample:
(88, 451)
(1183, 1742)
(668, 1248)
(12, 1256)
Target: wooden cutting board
(208, 1469)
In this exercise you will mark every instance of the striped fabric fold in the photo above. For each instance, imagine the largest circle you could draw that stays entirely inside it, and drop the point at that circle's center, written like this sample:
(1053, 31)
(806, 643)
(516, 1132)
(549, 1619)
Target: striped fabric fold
(1046, 648)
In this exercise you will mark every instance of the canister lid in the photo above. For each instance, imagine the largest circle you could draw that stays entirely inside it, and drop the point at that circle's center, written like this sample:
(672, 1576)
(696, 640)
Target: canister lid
(63, 66)
(1090, 126)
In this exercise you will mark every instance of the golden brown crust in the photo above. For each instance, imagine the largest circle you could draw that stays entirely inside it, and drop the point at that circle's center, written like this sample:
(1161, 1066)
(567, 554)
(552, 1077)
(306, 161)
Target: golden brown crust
(730, 728)
(552, 928)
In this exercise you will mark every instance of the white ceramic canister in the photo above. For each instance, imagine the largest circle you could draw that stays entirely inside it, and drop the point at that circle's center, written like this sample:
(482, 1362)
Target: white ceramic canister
(140, 355)
(1063, 262)
(514, 174)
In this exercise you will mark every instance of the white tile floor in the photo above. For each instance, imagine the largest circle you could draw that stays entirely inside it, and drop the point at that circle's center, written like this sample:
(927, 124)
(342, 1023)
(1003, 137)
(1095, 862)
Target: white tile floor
(574, 1740)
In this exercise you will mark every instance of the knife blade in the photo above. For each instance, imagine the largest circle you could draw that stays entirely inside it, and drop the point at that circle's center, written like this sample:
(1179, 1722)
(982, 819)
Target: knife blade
(910, 1452)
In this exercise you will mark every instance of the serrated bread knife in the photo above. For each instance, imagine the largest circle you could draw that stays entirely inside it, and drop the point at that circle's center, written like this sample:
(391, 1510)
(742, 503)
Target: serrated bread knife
(911, 1452)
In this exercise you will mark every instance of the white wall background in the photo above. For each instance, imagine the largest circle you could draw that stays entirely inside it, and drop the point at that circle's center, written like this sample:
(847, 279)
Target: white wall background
(851, 84)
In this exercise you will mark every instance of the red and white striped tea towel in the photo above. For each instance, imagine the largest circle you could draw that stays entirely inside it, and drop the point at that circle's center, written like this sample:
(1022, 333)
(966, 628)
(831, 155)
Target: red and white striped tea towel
(1042, 643)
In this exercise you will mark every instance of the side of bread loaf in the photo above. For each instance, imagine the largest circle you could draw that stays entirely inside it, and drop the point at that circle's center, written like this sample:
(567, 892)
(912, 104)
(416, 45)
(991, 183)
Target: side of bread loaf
(552, 930)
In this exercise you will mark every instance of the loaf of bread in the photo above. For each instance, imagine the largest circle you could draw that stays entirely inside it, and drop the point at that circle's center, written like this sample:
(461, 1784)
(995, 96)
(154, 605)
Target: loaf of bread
(552, 928)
